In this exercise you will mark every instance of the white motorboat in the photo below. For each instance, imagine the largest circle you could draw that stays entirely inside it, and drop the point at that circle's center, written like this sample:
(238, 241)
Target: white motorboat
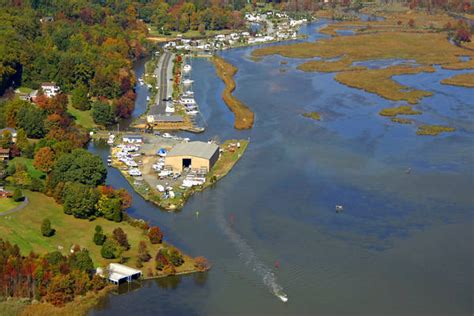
(187, 82)
(188, 100)
(192, 112)
(167, 135)
(187, 68)
(160, 188)
(134, 172)
(148, 98)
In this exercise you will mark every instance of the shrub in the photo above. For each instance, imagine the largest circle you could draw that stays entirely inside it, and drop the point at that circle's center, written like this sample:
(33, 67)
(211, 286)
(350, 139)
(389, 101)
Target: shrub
(99, 237)
(17, 195)
(201, 263)
(143, 253)
(46, 229)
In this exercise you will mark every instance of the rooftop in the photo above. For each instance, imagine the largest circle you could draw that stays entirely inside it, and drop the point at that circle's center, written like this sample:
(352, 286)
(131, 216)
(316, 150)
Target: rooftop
(118, 272)
(195, 149)
(170, 118)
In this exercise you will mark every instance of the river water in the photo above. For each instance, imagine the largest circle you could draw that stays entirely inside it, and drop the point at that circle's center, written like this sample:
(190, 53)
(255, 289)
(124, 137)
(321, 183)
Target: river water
(403, 244)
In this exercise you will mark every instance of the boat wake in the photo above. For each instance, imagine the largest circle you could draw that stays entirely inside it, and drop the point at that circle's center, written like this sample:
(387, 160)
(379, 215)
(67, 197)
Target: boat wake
(251, 260)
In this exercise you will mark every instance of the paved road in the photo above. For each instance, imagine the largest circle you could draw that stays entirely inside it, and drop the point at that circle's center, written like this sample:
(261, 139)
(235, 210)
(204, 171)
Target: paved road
(16, 209)
(164, 71)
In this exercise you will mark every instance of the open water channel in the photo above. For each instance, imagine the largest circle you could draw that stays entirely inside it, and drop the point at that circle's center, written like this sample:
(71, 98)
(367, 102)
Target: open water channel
(402, 245)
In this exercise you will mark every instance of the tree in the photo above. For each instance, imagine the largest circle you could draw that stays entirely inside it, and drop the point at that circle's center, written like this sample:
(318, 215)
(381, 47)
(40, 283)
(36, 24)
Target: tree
(110, 208)
(46, 229)
(18, 195)
(155, 235)
(44, 159)
(202, 29)
(160, 260)
(79, 98)
(31, 119)
(81, 260)
(103, 114)
(201, 263)
(80, 200)
(462, 35)
(121, 237)
(99, 237)
(78, 166)
(175, 257)
(6, 139)
(22, 141)
(143, 253)
(110, 249)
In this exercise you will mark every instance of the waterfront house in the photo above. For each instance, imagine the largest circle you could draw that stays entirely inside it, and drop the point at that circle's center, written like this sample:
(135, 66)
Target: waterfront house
(132, 139)
(194, 155)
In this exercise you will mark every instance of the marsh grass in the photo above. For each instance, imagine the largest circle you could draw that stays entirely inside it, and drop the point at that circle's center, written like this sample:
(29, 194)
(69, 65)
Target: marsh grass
(313, 115)
(400, 110)
(461, 80)
(244, 117)
(433, 130)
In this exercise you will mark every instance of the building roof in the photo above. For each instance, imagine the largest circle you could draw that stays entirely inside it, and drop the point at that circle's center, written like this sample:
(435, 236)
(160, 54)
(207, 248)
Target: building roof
(195, 149)
(48, 84)
(118, 272)
(4, 150)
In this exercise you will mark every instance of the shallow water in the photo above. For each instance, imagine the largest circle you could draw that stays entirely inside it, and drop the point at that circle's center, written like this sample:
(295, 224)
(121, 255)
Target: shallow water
(403, 243)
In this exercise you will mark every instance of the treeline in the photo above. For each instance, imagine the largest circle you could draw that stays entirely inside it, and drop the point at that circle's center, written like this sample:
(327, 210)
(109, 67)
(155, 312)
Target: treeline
(199, 15)
(86, 45)
(53, 278)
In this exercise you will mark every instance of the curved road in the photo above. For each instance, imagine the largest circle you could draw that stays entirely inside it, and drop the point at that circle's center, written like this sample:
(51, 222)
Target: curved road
(16, 209)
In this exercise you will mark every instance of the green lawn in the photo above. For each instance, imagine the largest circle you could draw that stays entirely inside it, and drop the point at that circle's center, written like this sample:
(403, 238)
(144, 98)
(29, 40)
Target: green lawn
(29, 166)
(83, 118)
(7, 204)
(25, 90)
(23, 228)
(190, 33)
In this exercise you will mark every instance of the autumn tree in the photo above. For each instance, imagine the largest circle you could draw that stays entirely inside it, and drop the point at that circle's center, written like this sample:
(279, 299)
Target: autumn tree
(155, 235)
(143, 253)
(121, 237)
(201, 263)
(44, 159)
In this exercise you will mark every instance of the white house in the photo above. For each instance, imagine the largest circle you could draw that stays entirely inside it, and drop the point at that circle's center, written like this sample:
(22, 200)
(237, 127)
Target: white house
(50, 89)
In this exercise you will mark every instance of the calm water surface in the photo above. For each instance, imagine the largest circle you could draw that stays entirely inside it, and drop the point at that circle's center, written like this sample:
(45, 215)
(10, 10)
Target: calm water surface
(403, 244)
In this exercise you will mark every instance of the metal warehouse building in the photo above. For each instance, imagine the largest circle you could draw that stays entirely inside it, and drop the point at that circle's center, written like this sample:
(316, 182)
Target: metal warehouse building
(194, 155)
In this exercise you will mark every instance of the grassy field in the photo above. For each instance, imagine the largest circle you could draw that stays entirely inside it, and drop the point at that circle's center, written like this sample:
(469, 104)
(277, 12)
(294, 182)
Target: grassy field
(7, 204)
(29, 167)
(244, 117)
(83, 118)
(228, 158)
(154, 34)
(23, 228)
(462, 80)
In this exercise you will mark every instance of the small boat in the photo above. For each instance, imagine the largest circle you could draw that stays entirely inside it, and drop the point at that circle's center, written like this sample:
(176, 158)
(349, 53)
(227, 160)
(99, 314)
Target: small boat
(187, 82)
(408, 171)
(283, 297)
(148, 98)
(187, 68)
(339, 208)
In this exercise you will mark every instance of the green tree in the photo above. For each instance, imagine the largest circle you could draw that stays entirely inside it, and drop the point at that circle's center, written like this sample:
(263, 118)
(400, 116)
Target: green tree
(78, 166)
(46, 229)
(110, 249)
(99, 237)
(81, 260)
(103, 114)
(18, 195)
(80, 200)
(31, 119)
(110, 208)
(80, 99)
(22, 141)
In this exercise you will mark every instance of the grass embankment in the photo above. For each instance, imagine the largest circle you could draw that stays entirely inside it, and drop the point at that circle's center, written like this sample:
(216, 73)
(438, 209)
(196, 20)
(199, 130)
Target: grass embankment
(461, 80)
(401, 120)
(313, 115)
(83, 118)
(244, 117)
(366, 47)
(228, 158)
(32, 171)
(23, 228)
(433, 130)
